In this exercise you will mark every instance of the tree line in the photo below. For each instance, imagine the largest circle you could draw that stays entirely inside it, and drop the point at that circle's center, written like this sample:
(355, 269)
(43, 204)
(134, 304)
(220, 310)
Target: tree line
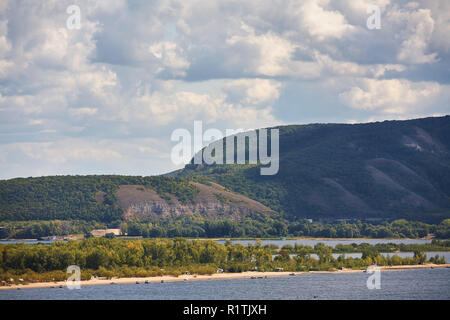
(265, 227)
(251, 226)
(152, 257)
(40, 229)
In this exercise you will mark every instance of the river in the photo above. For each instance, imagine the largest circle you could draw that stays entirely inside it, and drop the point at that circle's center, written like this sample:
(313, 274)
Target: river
(404, 284)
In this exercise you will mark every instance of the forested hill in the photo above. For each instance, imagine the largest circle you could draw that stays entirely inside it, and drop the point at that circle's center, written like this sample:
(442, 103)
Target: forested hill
(385, 169)
(391, 169)
(115, 198)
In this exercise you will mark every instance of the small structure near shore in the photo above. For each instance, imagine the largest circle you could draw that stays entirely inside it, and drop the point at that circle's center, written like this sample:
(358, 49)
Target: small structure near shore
(103, 232)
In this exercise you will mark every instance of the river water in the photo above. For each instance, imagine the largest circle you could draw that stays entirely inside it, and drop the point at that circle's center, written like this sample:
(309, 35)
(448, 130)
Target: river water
(404, 284)
(329, 242)
(280, 243)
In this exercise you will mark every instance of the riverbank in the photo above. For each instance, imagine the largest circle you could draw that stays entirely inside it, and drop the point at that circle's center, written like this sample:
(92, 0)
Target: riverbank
(217, 276)
(244, 239)
(314, 239)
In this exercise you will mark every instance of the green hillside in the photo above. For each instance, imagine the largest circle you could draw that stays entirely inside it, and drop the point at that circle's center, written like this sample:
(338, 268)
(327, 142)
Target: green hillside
(79, 197)
(387, 169)
(380, 171)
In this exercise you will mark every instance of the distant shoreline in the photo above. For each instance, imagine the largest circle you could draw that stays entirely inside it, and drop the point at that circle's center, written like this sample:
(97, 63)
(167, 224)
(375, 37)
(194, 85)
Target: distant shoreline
(309, 238)
(216, 276)
(255, 239)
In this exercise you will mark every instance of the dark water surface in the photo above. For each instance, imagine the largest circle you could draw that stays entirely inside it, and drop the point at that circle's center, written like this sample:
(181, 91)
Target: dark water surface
(404, 284)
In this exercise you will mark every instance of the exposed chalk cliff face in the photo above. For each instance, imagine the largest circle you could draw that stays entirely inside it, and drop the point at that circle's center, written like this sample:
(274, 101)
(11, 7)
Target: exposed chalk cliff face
(212, 202)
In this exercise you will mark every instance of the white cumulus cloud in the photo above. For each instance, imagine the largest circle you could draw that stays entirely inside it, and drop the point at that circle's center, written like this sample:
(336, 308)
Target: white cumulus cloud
(390, 96)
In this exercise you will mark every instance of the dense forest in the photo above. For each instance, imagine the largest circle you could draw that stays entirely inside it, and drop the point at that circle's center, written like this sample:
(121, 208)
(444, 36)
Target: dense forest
(143, 258)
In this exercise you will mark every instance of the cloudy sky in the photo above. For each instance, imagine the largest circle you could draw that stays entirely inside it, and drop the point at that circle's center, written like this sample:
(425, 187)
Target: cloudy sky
(105, 98)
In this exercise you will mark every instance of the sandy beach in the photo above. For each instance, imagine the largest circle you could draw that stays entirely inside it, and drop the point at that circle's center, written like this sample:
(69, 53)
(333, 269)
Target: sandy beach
(217, 276)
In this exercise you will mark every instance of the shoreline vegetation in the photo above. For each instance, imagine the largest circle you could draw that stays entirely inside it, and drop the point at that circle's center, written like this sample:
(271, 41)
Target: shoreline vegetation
(207, 277)
(116, 258)
(64, 238)
(250, 226)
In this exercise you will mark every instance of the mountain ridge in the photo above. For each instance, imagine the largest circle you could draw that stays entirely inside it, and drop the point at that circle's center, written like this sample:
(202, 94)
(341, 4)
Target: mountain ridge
(382, 170)
(388, 169)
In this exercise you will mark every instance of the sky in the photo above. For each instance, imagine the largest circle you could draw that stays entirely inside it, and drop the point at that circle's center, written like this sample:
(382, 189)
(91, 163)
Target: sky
(105, 98)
